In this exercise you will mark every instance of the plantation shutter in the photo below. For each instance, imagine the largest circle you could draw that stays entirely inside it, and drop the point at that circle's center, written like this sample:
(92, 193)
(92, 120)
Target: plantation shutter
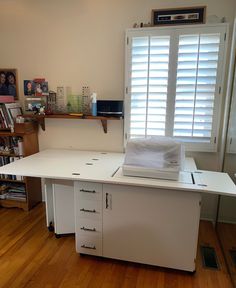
(174, 81)
(149, 81)
(195, 87)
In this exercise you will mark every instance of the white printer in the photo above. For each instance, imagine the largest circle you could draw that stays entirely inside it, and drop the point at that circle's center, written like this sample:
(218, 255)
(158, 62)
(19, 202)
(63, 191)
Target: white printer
(154, 157)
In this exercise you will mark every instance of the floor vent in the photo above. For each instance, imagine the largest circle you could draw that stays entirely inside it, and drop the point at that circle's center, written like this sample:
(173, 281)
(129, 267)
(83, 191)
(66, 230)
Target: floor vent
(209, 258)
(232, 253)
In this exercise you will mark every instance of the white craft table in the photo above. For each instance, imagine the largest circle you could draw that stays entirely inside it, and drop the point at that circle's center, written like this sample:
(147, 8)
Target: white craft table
(143, 220)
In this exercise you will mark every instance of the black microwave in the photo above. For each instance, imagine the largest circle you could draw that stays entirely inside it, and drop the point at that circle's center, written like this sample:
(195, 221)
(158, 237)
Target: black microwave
(110, 108)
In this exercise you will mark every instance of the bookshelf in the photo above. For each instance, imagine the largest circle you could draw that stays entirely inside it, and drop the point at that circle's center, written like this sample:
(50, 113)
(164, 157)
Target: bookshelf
(18, 191)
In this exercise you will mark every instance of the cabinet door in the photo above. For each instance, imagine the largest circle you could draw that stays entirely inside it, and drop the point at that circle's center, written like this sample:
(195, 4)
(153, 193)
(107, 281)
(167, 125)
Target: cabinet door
(63, 204)
(152, 226)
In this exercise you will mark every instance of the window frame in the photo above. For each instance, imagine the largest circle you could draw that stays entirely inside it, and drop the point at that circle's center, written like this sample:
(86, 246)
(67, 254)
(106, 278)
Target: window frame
(174, 33)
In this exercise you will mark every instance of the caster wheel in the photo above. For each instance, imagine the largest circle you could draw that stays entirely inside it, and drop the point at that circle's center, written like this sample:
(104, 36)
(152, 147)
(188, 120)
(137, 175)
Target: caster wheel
(50, 227)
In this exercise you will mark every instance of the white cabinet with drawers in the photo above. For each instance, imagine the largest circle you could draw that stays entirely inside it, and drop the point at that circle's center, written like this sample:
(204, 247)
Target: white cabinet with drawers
(144, 225)
(88, 218)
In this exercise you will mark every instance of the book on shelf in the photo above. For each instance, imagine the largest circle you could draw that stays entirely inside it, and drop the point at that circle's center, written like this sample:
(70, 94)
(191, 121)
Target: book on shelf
(3, 191)
(6, 160)
(16, 196)
(4, 116)
(3, 123)
(16, 192)
(13, 191)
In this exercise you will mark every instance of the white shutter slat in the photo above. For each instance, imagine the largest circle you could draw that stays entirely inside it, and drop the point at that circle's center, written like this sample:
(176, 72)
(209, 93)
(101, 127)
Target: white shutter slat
(188, 133)
(140, 51)
(157, 118)
(139, 66)
(159, 58)
(137, 118)
(156, 132)
(191, 103)
(139, 59)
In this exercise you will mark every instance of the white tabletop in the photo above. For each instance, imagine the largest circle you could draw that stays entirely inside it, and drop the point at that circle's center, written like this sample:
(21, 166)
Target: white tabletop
(104, 167)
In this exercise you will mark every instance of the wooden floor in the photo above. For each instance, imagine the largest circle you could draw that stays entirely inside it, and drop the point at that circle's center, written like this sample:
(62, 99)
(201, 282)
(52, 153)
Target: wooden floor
(30, 256)
(227, 236)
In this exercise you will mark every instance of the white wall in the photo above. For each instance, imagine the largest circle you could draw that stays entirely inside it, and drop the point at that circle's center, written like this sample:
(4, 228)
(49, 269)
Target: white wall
(81, 42)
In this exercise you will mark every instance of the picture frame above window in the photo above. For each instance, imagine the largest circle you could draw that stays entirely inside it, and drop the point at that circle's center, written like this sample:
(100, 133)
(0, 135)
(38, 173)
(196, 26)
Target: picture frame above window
(178, 16)
(9, 83)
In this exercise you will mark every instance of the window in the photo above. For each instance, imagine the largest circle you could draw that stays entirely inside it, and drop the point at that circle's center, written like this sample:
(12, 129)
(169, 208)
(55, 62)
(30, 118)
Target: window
(174, 83)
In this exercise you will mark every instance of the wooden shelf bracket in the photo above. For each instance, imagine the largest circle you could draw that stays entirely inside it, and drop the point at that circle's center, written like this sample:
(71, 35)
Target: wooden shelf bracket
(104, 125)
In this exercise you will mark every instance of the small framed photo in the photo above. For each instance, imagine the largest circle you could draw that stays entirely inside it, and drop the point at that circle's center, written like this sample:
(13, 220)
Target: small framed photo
(17, 111)
(29, 87)
(13, 110)
(9, 83)
(177, 16)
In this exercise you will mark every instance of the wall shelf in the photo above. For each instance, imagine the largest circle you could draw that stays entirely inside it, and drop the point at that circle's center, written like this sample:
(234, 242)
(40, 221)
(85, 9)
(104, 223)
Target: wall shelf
(41, 119)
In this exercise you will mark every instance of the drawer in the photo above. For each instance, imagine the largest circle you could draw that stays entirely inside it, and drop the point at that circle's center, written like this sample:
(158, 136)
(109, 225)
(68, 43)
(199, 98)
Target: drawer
(89, 245)
(89, 209)
(89, 190)
(86, 226)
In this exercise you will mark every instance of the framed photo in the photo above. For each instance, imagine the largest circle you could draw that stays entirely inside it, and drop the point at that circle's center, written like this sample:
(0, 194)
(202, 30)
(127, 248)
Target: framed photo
(9, 83)
(29, 87)
(13, 110)
(36, 87)
(177, 16)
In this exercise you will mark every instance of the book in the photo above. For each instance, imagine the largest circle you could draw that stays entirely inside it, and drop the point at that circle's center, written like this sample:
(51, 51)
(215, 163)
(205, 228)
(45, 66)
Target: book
(5, 116)
(2, 123)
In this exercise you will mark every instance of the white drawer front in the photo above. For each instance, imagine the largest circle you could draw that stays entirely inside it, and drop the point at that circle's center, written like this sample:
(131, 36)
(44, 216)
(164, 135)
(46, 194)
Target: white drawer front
(89, 209)
(89, 191)
(88, 227)
(89, 245)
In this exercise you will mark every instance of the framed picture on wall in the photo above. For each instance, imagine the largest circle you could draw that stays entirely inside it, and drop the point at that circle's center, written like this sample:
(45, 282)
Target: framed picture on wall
(177, 16)
(8, 83)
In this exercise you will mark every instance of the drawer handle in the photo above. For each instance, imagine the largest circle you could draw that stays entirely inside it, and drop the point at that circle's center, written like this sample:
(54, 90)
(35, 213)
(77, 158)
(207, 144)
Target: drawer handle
(87, 191)
(88, 229)
(88, 247)
(87, 210)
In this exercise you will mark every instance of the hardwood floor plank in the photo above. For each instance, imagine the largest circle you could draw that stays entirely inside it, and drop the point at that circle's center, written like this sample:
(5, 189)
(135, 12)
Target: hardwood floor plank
(147, 277)
(117, 271)
(131, 276)
(31, 257)
(79, 271)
